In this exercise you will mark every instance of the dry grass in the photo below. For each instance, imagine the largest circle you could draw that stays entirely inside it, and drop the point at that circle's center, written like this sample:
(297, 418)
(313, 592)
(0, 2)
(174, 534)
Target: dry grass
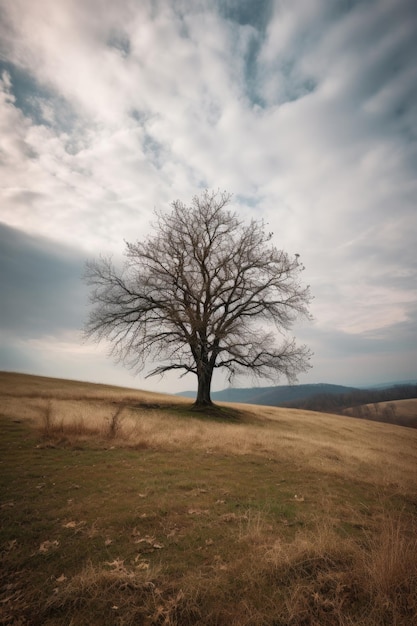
(314, 580)
(134, 595)
(387, 454)
(281, 517)
(401, 412)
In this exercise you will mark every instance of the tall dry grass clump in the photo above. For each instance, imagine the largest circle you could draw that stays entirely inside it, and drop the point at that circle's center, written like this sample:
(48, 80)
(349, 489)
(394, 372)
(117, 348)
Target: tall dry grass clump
(57, 425)
(390, 569)
(317, 579)
(72, 421)
(323, 579)
(111, 593)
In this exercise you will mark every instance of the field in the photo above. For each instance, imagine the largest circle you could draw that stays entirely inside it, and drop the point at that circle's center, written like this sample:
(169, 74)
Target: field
(400, 412)
(123, 507)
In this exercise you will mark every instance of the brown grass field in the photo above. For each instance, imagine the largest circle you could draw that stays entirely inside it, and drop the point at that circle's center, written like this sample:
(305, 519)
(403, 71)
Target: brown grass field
(123, 507)
(400, 412)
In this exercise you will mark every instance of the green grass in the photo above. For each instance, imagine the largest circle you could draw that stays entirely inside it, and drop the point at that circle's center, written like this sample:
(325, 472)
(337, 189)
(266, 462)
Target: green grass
(98, 530)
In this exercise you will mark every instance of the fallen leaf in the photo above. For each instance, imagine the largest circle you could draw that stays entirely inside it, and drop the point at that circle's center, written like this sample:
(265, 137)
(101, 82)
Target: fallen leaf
(149, 539)
(158, 546)
(74, 524)
(48, 545)
(219, 564)
(197, 491)
(209, 542)
(117, 563)
(61, 579)
(140, 563)
(229, 517)
(108, 542)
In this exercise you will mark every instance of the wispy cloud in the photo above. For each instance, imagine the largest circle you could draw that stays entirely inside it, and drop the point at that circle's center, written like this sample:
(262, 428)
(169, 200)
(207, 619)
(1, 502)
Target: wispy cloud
(306, 110)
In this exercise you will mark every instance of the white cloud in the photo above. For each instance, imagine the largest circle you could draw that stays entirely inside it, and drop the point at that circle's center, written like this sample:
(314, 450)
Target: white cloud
(309, 121)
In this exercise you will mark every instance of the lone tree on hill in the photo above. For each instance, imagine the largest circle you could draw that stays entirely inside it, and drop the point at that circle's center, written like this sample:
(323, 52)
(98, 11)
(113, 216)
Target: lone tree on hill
(190, 295)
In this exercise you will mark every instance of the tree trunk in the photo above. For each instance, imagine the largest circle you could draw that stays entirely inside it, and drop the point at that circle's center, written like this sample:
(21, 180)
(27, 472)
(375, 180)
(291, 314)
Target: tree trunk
(205, 374)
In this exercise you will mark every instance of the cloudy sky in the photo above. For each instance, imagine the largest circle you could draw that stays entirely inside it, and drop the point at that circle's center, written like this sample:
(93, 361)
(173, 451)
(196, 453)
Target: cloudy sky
(305, 110)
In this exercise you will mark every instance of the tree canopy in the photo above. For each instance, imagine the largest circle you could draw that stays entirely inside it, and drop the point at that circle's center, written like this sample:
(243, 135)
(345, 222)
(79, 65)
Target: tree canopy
(204, 291)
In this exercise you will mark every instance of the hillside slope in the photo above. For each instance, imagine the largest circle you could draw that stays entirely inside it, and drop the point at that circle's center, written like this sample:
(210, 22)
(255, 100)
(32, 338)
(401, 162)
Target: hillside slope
(356, 447)
(400, 412)
(125, 507)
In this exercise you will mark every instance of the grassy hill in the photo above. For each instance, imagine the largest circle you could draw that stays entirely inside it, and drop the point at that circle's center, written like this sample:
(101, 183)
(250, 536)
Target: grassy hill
(377, 403)
(124, 507)
(401, 412)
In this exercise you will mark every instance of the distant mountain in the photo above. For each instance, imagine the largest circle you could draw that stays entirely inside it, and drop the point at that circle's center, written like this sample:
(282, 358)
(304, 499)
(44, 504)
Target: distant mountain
(398, 383)
(317, 397)
(274, 396)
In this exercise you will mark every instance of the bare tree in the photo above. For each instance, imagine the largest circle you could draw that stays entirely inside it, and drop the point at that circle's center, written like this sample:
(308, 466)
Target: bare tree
(199, 294)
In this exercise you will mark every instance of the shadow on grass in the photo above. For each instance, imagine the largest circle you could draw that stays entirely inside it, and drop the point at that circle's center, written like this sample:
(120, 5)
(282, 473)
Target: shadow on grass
(215, 412)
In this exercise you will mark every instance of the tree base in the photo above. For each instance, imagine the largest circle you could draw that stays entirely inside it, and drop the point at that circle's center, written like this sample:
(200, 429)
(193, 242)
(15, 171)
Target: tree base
(203, 404)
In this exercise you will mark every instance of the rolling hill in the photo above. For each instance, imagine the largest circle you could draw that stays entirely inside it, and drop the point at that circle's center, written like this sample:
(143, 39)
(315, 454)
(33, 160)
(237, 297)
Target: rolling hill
(273, 396)
(401, 412)
(318, 397)
(121, 506)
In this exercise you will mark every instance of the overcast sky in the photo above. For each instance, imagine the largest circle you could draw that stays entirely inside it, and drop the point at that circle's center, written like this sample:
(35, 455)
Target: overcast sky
(305, 110)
